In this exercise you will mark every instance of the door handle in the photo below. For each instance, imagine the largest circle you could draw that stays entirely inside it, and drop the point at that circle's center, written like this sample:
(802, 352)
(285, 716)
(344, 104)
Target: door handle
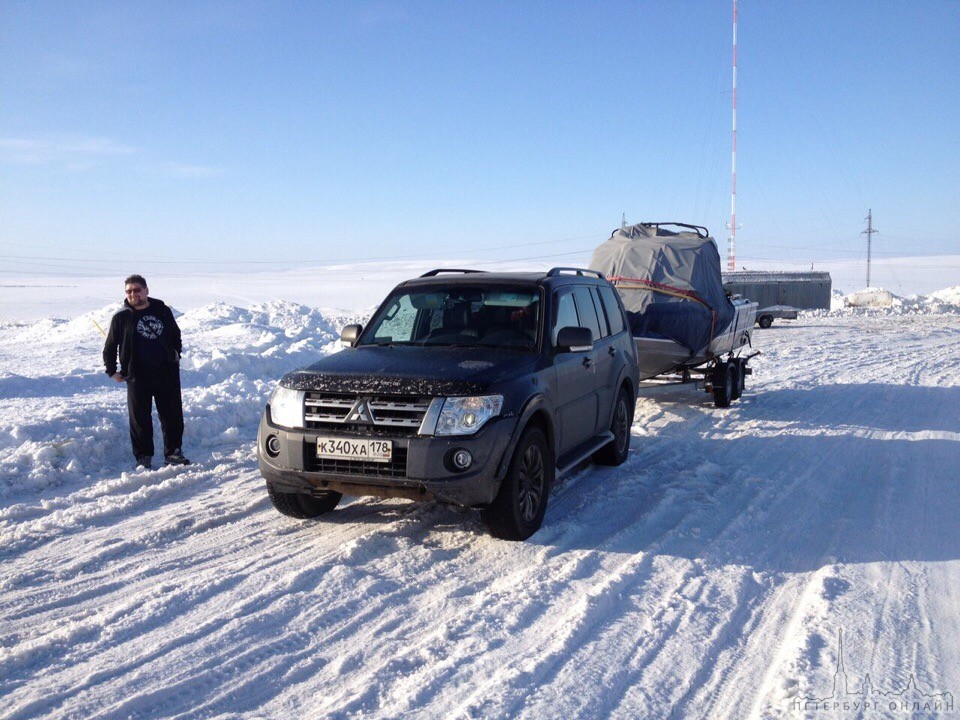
(587, 362)
(612, 350)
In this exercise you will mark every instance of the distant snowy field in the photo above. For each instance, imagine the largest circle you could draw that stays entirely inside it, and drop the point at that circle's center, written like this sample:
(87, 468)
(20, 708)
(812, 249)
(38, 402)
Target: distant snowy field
(707, 577)
(333, 286)
(364, 285)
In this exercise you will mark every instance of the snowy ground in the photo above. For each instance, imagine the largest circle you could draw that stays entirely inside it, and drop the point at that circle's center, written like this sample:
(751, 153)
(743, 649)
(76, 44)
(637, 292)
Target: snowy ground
(710, 576)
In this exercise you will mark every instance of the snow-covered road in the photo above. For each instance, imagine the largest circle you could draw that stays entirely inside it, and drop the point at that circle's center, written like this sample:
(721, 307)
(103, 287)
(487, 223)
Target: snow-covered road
(710, 576)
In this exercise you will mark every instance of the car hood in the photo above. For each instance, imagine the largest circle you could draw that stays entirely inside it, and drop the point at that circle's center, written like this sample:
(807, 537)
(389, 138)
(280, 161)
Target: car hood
(435, 371)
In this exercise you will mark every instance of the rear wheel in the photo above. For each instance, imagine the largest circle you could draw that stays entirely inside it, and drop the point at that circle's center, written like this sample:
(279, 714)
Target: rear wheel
(723, 379)
(615, 452)
(765, 321)
(517, 511)
(301, 506)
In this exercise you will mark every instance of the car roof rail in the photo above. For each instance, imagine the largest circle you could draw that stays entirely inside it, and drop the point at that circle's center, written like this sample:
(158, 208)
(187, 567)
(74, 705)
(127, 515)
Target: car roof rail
(554, 272)
(437, 271)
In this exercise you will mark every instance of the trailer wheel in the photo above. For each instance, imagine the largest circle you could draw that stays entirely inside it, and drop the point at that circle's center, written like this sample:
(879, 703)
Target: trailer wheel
(739, 378)
(723, 384)
(765, 321)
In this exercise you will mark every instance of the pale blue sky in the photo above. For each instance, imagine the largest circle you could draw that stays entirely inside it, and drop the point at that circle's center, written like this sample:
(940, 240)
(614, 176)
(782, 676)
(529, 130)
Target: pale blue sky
(133, 133)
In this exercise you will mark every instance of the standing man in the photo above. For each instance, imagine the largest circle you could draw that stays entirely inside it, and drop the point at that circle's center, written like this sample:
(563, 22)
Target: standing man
(148, 340)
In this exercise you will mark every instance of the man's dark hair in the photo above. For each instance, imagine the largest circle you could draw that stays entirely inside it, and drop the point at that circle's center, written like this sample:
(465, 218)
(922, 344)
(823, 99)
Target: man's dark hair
(138, 279)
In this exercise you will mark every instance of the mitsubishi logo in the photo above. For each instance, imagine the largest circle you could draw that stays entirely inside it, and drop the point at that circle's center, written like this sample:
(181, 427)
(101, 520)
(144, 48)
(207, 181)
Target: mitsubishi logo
(360, 412)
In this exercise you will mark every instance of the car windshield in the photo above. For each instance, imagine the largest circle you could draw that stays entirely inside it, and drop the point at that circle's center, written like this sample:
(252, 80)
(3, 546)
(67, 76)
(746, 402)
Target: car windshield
(458, 316)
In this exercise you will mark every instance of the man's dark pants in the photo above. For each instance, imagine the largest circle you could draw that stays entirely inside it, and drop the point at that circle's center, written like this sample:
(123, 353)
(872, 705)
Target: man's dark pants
(163, 386)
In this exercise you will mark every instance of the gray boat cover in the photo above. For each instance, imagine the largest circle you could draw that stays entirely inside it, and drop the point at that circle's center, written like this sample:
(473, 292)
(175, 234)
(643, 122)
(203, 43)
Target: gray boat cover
(670, 283)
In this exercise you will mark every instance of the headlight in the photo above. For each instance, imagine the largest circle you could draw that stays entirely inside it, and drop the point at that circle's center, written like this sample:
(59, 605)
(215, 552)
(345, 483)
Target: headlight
(466, 415)
(286, 407)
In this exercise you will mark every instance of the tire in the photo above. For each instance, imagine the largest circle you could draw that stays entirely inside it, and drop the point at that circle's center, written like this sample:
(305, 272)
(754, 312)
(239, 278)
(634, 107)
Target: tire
(723, 384)
(300, 506)
(517, 511)
(615, 452)
(739, 379)
(765, 321)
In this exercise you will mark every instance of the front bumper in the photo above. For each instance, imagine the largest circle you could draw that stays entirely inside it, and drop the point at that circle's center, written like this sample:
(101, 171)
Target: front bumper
(424, 472)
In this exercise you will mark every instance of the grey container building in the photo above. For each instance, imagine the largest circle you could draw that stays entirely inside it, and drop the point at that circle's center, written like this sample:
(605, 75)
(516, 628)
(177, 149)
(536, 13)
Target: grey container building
(780, 294)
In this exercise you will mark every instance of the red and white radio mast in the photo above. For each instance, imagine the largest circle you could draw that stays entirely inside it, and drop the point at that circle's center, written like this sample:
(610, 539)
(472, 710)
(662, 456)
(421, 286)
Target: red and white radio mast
(731, 250)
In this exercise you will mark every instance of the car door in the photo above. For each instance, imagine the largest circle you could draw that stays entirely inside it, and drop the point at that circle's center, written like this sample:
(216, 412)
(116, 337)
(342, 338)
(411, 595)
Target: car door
(604, 352)
(621, 340)
(576, 397)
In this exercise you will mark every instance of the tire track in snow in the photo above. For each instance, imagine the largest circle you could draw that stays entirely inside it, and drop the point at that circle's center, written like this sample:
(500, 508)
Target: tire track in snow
(661, 545)
(707, 553)
(627, 530)
(858, 501)
(666, 450)
(216, 555)
(564, 576)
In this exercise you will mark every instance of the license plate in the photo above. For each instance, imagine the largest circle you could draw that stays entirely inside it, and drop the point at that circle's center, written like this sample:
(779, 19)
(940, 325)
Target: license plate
(349, 449)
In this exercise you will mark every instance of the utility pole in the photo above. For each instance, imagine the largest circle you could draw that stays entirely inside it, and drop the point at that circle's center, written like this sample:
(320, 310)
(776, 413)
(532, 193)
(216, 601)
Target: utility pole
(732, 249)
(869, 233)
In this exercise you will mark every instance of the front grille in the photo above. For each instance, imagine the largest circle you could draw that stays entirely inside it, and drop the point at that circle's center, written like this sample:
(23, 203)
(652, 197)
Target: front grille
(396, 468)
(376, 415)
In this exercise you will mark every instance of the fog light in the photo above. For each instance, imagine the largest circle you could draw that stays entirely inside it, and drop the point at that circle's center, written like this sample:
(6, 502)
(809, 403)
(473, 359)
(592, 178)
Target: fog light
(273, 446)
(462, 459)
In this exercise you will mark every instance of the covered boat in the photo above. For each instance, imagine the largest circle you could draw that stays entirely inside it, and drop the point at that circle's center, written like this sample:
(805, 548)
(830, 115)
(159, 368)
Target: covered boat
(672, 289)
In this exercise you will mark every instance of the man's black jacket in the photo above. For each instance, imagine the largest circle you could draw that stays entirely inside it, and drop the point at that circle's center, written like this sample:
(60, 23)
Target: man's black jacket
(121, 336)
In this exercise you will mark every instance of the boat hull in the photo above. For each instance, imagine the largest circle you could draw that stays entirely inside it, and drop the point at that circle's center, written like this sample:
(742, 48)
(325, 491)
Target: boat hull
(659, 355)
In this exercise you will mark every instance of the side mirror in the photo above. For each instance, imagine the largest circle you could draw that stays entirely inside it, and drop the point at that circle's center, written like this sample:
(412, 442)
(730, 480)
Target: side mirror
(575, 339)
(349, 334)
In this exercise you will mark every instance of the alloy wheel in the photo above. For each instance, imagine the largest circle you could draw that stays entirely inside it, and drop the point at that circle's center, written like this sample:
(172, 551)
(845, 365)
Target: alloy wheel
(531, 476)
(621, 427)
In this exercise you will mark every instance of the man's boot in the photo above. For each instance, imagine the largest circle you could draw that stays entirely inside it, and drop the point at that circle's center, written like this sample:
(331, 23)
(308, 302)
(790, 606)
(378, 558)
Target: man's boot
(175, 458)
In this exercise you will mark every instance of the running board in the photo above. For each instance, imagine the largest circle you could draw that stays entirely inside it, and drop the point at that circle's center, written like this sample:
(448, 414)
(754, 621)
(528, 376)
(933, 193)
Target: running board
(604, 439)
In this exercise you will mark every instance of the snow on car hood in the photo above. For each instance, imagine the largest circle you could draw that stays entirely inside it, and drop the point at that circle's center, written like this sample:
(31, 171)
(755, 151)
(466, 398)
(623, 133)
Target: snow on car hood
(436, 370)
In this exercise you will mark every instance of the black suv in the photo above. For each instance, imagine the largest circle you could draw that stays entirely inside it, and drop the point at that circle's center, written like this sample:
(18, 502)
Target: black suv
(466, 387)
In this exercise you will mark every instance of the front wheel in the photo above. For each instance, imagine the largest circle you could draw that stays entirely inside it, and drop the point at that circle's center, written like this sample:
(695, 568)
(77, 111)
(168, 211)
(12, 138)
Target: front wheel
(301, 506)
(615, 452)
(765, 321)
(517, 511)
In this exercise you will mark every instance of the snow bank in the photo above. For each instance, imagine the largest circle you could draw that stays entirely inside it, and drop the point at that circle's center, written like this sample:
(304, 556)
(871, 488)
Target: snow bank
(872, 297)
(64, 420)
(879, 301)
(947, 296)
(838, 300)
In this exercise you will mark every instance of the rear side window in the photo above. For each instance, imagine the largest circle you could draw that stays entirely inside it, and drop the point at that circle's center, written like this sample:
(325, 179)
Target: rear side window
(614, 315)
(566, 314)
(601, 315)
(588, 313)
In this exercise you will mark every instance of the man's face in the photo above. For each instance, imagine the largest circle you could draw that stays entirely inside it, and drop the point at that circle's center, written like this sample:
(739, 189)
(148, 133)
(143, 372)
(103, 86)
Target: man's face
(136, 295)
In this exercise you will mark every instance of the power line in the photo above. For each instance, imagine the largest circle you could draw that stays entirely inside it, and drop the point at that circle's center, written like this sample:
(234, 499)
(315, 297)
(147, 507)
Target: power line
(435, 253)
